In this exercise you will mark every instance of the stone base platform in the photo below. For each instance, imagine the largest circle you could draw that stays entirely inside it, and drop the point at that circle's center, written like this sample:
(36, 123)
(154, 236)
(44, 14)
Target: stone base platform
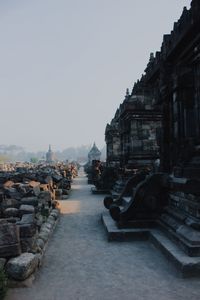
(185, 265)
(121, 234)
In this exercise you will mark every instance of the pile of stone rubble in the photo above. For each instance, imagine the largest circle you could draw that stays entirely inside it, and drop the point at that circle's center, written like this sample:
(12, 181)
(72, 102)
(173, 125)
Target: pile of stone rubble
(28, 214)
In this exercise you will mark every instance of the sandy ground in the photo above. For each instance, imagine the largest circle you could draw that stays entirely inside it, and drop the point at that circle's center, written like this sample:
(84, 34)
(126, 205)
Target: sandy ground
(81, 264)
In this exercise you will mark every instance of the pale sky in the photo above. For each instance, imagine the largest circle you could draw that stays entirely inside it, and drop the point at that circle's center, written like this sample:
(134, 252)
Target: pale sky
(65, 65)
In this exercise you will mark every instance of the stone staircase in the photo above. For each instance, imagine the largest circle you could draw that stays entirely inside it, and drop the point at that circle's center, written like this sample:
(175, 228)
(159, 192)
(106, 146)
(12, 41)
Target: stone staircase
(178, 252)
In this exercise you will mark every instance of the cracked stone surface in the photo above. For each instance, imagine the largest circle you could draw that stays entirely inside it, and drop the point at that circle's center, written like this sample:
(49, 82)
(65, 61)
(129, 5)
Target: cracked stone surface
(81, 264)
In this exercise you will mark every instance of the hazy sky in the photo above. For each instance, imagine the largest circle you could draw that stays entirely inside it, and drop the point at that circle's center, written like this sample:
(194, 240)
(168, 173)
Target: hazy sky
(65, 65)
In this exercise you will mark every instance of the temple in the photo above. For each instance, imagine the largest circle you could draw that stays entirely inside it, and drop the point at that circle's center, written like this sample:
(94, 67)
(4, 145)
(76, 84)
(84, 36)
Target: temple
(131, 135)
(50, 156)
(155, 135)
(92, 167)
(94, 154)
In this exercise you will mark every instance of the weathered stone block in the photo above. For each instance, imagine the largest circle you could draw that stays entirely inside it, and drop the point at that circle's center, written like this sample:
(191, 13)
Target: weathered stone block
(21, 188)
(65, 192)
(55, 213)
(7, 203)
(26, 209)
(48, 226)
(9, 240)
(27, 230)
(8, 184)
(40, 243)
(45, 196)
(30, 201)
(51, 219)
(56, 178)
(27, 218)
(35, 185)
(45, 211)
(58, 193)
(44, 236)
(12, 193)
(43, 187)
(55, 204)
(21, 267)
(39, 221)
(28, 244)
(11, 212)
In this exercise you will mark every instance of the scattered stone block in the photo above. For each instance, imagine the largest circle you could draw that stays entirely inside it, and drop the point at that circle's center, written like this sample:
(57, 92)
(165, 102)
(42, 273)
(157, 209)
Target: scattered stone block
(21, 188)
(26, 209)
(58, 194)
(8, 184)
(55, 204)
(11, 212)
(43, 187)
(10, 203)
(27, 218)
(27, 230)
(44, 235)
(57, 178)
(45, 211)
(40, 243)
(35, 185)
(65, 192)
(30, 201)
(9, 240)
(12, 193)
(39, 221)
(55, 213)
(21, 267)
(28, 244)
(48, 226)
(51, 219)
(45, 196)
(45, 228)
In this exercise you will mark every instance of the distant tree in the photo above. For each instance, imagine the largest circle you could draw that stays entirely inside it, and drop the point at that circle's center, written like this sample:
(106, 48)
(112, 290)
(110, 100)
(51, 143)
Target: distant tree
(33, 160)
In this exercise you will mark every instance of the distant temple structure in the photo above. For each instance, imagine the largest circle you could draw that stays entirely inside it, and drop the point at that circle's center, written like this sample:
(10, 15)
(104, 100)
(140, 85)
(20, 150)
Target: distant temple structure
(94, 154)
(131, 135)
(50, 158)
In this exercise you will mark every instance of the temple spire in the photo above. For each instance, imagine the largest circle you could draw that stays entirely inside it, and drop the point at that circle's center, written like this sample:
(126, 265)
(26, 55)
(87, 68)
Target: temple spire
(127, 94)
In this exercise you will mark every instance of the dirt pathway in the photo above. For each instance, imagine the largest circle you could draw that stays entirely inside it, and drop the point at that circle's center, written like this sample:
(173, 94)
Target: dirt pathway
(81, 264)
